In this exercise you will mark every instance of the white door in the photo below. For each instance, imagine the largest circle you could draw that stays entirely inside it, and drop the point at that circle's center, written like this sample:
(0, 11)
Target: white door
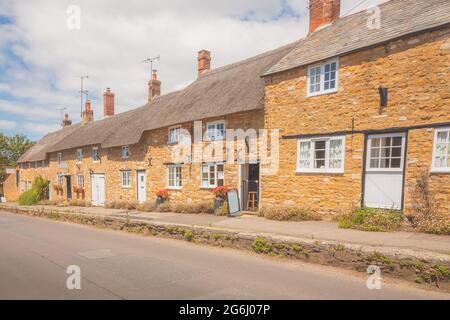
(384, 171)
(98, 189)
(142, 186)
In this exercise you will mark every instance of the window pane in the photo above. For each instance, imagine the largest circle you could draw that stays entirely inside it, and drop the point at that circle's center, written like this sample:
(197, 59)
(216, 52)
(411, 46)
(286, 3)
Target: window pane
(396, 163)
(319, 164)
(384, 163)
(397, 141)
(305, 154)
(385, 152)
(374, 163)
(397, 152)
(336, 154)
(386, 142)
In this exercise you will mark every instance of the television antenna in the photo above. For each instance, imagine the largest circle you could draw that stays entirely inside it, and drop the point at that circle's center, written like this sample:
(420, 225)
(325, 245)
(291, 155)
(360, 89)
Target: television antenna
(61, 113)
(82, 92)
(151, 61)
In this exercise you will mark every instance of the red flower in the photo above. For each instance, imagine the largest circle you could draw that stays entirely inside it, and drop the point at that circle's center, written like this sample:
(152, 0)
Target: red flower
(164, 194)
(220, 192)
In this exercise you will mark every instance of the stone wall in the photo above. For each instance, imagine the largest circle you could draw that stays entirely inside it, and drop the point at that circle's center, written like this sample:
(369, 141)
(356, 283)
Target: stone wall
(416, 72)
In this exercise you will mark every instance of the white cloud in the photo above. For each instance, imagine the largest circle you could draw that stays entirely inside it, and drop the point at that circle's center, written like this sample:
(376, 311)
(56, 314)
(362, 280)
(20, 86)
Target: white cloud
(7, 125)
(114, 38)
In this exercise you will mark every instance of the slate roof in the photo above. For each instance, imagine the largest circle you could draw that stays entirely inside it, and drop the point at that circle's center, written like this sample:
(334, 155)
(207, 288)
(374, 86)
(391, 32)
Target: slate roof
(399, 18)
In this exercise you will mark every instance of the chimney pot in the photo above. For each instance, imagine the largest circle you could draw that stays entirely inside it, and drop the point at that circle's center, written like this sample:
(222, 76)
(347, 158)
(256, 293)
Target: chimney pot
(204, 62)
(66, 122)
(108, 103)
(323, 12)
(88, 114)
(154, 86)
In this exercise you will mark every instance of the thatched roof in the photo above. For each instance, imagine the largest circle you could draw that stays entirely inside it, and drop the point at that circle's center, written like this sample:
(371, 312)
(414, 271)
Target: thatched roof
(399, 18)
(231, 89)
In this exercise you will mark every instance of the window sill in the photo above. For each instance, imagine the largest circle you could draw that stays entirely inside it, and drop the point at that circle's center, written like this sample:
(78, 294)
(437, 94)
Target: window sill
(298, 173)
(175, 188)
(440, 171)
(126, 188)
(322, 93)
(207, 188)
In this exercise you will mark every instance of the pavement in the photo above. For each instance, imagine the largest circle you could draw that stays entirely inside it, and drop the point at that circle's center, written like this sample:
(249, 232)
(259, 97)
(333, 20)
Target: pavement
(317, 230)
(35, 255)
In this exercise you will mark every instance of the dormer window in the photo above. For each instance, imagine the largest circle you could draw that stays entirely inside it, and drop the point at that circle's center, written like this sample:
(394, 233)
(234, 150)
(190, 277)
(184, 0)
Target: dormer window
(79, 155)
(174, 135)
(215, 131)
(125, 152)
(323, 78)
(60, 158)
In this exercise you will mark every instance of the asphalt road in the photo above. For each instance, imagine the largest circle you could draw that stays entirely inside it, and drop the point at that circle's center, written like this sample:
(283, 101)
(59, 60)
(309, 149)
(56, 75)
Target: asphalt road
(35, 254)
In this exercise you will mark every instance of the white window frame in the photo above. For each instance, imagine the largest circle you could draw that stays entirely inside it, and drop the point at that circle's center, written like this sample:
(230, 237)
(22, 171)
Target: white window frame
(433, 166)
(127, 155)
(60, 158)
(80, 180)
(125, 181)
(322, 78)
(169, 140)
(175, 167)
(60, 179)
(209, 137)
(369, 150)
(216, 175)
(96, 152)
(79, 155)
(327, 168)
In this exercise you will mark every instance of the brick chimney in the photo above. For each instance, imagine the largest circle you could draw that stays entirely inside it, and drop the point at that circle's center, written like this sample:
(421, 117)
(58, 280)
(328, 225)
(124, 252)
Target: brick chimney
(108, 103)
(154, 87)
(204, 62)
(66, 121)
(88, 114)
(323, 12)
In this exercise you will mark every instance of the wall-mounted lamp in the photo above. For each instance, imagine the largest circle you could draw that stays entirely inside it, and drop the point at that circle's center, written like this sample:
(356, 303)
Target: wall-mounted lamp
(383, 96)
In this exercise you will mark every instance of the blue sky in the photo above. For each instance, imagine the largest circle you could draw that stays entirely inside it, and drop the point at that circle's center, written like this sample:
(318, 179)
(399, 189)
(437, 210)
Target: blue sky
(41, 58)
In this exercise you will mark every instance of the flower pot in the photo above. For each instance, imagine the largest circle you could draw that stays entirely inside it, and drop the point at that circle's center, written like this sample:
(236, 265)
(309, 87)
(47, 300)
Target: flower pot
(218, 203)
(159, 201)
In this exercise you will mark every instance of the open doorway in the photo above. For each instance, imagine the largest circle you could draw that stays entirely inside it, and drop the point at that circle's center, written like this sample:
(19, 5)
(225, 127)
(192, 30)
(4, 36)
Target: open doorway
(69, 187)
(250, 187)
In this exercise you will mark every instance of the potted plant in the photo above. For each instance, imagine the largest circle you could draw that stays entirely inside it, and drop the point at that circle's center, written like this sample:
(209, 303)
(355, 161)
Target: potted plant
(162, 196)
(221, 195)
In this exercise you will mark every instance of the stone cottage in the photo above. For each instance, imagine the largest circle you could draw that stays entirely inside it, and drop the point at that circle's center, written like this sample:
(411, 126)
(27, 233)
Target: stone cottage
(362, 106)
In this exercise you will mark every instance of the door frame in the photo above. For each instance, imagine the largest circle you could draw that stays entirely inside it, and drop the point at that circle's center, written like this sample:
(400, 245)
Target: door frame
(137, 183)
(241, 185)
(365, 156)
(92, 189)
(69, 193)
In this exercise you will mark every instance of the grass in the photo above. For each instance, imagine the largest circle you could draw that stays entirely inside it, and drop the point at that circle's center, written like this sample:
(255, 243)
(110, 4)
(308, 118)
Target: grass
(288, 213)
(374, 220)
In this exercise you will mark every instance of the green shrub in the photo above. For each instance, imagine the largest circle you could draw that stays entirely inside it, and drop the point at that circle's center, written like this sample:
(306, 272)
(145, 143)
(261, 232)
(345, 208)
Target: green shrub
(37, 192)
(28, 198)
(261, 245)
(371, 220)
(288, 213)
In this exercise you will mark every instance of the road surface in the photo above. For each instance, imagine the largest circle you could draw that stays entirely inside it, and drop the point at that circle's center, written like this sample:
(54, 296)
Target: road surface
(35, 254)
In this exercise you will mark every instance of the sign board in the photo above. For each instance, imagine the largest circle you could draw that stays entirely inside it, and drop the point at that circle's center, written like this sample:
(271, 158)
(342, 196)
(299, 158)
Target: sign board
(234, 205)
